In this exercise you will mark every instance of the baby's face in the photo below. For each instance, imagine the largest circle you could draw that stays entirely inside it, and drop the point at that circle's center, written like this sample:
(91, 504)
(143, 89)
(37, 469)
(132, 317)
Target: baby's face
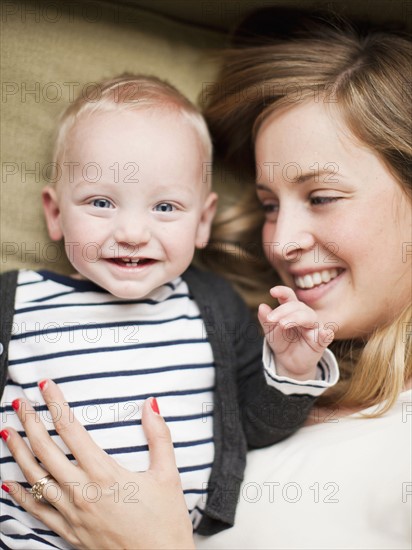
(133, 203)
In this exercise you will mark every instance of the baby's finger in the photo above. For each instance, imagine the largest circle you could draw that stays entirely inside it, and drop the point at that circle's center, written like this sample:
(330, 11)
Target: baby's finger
(283, 294)
(263, 312)
(326, 336)
(300, 317)
(293, 312)
(47, 514)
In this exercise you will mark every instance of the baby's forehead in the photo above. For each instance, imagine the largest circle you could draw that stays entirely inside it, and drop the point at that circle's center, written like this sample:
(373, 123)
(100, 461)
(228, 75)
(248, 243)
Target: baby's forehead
(154, 148)
(111, 123)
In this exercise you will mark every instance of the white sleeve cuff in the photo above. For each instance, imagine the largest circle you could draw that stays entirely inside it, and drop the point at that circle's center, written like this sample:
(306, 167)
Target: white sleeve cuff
(327, 375)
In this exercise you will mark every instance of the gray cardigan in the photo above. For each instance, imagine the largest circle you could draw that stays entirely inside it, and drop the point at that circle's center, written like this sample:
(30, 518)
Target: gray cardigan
(247, 411)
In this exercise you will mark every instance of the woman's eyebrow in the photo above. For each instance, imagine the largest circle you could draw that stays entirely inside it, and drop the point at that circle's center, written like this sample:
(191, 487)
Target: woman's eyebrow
(305, 177)
(314, 175)
(261, 187)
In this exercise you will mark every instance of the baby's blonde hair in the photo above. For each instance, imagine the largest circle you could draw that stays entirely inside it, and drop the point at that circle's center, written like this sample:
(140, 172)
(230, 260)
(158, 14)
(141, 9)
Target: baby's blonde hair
(130, 92)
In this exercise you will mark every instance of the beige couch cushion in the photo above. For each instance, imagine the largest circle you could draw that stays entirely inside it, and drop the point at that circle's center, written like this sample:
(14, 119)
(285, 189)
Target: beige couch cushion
(51, 51)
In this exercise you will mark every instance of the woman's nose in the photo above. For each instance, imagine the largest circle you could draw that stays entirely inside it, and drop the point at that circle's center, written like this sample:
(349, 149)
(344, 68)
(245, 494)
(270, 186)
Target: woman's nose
(292, 235)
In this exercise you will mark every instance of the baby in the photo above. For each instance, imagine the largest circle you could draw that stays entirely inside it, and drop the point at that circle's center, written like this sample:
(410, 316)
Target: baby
(132, 201)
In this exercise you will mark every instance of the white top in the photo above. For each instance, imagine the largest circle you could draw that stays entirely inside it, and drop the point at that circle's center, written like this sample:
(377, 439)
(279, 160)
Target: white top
(345, 483)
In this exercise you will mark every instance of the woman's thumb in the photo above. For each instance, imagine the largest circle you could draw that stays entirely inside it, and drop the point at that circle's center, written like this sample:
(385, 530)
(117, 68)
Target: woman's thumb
(162, 455)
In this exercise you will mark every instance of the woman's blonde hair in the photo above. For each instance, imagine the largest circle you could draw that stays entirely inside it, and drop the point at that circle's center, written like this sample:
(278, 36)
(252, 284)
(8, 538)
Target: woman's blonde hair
(367, 79)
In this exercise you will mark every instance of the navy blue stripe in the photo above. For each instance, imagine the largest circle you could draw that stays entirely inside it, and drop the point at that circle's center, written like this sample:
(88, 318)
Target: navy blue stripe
(30, 283)
(35, 529)
(124, 373)
(125, 423)
(31, 536)
(194, 468)
(180, 444)
(11, 503)
(293, 383)
(110, 400)
(195, 492)
(322, 370)
(88, 326)
(110, 303)
(51, 296)
(199, 510)
(128, 450)
(88, 351)
(142, 448)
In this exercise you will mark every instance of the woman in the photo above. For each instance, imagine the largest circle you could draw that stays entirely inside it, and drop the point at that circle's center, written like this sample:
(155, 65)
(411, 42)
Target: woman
(329, 114)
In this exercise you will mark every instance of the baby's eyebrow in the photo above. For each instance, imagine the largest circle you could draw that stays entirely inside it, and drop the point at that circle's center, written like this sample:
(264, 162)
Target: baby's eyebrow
(92, 184)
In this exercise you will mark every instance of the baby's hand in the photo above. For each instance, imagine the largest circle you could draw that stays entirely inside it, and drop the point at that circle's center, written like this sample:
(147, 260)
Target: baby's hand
(292, 331)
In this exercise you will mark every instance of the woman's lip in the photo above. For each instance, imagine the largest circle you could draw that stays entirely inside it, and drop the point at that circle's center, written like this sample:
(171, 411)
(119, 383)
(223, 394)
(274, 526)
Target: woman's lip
(312, 295)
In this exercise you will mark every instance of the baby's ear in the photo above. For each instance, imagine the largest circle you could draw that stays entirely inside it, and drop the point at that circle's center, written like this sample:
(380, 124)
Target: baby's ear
(52, 213)
(205, 222)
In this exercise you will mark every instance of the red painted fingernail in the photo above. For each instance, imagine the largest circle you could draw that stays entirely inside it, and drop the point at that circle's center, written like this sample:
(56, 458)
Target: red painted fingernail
(16, 404)
(154, 405)
(43, 385)
(5, 488)
(4, 435)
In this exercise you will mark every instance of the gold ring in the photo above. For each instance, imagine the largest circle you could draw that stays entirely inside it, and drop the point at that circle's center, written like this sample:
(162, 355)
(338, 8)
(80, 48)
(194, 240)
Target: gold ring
(37, 488)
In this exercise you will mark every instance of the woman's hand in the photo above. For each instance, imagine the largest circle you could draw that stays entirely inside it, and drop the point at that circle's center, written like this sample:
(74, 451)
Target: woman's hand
(292, 331)
(97, 503)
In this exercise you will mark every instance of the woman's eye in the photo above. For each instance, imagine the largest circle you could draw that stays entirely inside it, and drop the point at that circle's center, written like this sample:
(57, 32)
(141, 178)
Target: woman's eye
(323, 200)
(102, 203)
(164, 207)
(271, 210)
(270, 207)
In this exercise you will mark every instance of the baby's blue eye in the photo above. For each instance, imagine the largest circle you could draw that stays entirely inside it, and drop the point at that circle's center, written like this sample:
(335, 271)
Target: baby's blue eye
(102, 203)
(164, 207)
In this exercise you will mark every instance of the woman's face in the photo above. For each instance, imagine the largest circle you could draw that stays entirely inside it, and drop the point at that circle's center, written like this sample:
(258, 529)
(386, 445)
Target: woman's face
(338, 227)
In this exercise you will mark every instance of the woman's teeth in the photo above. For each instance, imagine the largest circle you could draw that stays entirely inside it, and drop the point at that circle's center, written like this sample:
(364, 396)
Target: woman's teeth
(316, 278)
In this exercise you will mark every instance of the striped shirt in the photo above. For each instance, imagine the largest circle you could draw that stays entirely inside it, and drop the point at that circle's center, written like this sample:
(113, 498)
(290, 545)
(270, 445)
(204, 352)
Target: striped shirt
(108, 355)
(67, 330)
